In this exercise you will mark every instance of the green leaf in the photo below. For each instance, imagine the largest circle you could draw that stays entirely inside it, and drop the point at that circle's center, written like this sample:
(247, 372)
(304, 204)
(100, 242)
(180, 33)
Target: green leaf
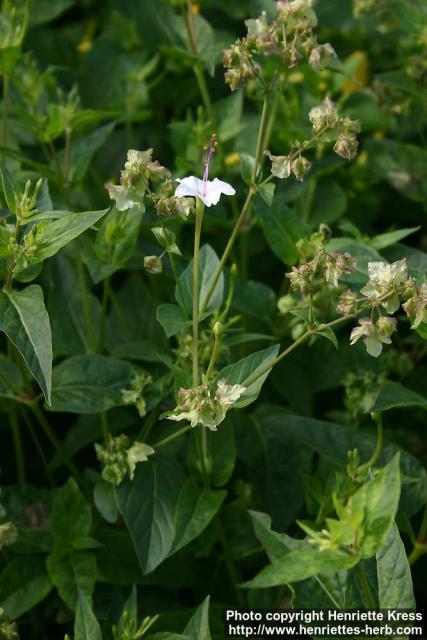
(275, 544)
(104, 497)
(393, 395)
(45, 10)
(148, 505)
(194, 511)
(384, 240)
(198, 625)
(333, 441)
(86, 626)
(302, 564)
(281, 227)
(9, 190)
(173, 319)
(83, 149)
(89, 383)
(372, 508)
(71, 517)
(129, 615)
(223, 454)
(73, 573)
(329, 334)
(241, 371)
(50, 237)
(25, 321)
(395, 590)
(329, 205)
(23, 584)
(208, 263)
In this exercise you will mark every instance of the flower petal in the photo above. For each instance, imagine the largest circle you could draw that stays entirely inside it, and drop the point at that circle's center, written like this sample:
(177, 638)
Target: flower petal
(188, 186)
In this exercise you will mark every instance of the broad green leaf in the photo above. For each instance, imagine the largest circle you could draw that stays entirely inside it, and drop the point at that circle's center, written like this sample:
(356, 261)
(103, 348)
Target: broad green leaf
(393, 395)
(50, 237)
(302, 564)
(222, 450)
(323, 592)
(384, 240)
(24, 319)
(117, 562)
(89, 383)
(72, 572)
(281, 227)
(330, 202)
(173, 319)
(329, 334)
(395, 590)
(208, 262)
(83, 149)
(333, 441)
(86, 626)
(10, 378)
(228, 112)
(23, 584)
(198, 625)
(275, 544)
(117, 236)
(243, 370)
(71, 517)
(194, 510)
(371, 510)
(45, 10)
(148, 505)
(104, 497)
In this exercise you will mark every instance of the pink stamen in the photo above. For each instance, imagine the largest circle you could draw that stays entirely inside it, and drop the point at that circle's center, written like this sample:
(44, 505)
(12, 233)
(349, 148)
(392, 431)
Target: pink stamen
(208, 161)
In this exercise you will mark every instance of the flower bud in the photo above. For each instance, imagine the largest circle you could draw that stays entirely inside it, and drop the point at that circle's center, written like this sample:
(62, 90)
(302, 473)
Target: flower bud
(153, 264)
(280, 165)
(346, 146)
(320, 56)
(300, 167)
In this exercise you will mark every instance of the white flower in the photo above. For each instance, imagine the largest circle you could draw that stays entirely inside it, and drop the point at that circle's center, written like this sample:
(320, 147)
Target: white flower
(200, 407)
(386, 279)
(374, 335)
(138, 452)
(209, 191)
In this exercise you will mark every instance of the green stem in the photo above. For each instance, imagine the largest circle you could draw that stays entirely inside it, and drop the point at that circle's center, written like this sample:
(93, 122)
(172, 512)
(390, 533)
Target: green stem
(67, 159)
(217, 347)
(305, 336)
(56, 443)
(85, 302)
(228, 248)
(17, 441)
(198, 68)
(196, 255)
(176, 434)
(378, 419)
(261, 137)
(5, 114)
(246, 207)
(104, 305)
(364, 586)
(148, 425)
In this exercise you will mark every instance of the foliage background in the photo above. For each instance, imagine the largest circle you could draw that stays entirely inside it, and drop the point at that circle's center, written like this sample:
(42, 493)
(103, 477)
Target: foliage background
(133, 68)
